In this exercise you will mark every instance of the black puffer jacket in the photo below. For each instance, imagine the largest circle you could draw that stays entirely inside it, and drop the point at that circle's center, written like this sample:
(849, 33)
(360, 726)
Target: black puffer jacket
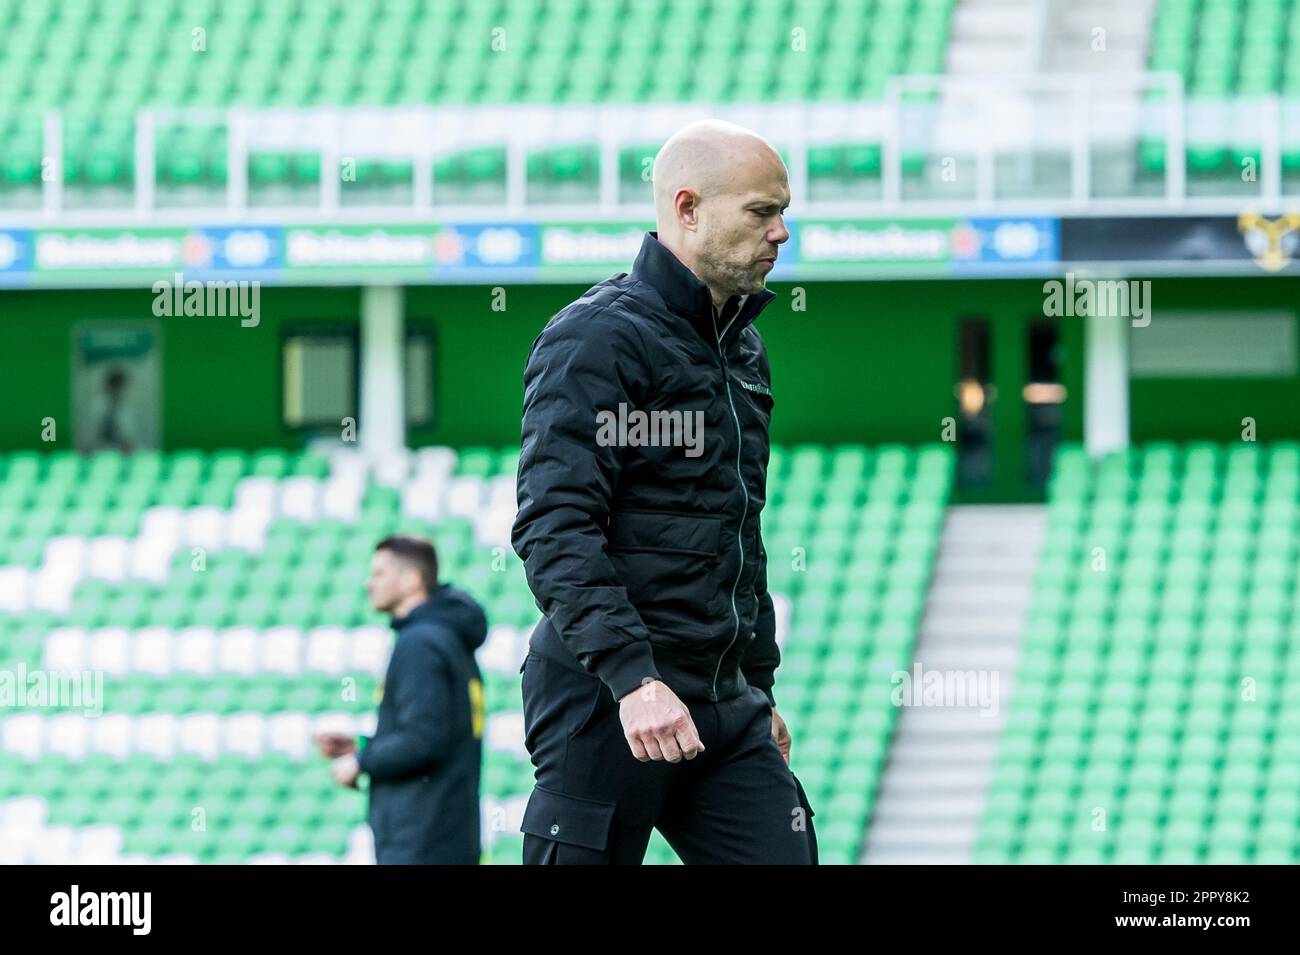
(647, 560)
(427, 751)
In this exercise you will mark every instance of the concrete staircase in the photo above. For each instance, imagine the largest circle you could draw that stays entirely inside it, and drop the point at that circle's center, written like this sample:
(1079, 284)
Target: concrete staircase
(1072, 34)
(941, 757)
(992, 36)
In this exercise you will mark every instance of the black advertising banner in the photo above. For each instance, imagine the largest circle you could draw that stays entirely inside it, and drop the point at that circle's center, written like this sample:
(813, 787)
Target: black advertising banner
(1249, 241)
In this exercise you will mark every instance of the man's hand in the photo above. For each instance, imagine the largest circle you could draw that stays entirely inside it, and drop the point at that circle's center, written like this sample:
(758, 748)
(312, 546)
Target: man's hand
(657, 725)
(781, 735)
(333, 745)
(345, 770)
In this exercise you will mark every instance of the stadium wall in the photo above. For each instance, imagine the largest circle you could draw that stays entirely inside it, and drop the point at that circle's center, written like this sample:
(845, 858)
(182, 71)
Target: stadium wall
(858, 364)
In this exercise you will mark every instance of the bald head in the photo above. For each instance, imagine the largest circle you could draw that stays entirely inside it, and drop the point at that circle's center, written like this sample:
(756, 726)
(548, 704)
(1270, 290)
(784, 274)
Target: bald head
(705, 157)
(719, 193)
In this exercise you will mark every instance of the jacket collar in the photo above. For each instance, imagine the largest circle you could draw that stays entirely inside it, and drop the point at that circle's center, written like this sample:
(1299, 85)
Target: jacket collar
(684, 293)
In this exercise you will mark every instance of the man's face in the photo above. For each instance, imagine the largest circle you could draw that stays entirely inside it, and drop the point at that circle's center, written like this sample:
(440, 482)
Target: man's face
(391, 580)
(742, 227)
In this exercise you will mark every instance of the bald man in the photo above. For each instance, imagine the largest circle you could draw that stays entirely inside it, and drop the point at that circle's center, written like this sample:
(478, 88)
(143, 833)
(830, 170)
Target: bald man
(648, 685)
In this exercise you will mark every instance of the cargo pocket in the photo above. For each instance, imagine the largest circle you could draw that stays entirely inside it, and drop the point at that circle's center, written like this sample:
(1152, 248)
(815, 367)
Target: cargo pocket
(575, 830)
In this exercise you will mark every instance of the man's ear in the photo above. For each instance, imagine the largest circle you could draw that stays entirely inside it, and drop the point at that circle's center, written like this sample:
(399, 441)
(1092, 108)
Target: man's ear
(411, 579)
(688, 207)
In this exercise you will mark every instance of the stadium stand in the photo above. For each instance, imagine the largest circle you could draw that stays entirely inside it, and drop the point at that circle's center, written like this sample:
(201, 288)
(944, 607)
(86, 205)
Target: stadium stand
(1154, 717)
(221, 596)
(1225, 50)
(125, 55)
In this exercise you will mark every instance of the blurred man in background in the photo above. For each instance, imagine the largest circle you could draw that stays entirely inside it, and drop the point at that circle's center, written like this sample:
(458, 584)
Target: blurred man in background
(424, 759)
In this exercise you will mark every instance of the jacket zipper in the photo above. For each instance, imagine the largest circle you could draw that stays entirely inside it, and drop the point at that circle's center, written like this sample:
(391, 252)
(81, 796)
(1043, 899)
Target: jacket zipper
(740, 541)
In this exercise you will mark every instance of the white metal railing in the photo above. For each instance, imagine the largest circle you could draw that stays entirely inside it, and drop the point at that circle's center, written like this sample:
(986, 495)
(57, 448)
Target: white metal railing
(1040, 112)
(985, 119)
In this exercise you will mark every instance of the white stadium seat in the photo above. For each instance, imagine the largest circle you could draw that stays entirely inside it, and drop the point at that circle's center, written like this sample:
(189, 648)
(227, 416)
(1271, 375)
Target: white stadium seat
(55, 846)
(199, 733)
(255, 493)
(327, 650)
(163, 523)
(281, 651)
(107, 558)
(205, 527)
(289, 733)
(246, 527)
(52, 587)
(112, 733)
(237, 650)
(14, 589)
(423, 499)
(98, 845)
(505, 733)
(299, 498)
(155, 734)
(436, 462)
(341, 499)
(500, 653)
(68, 735)
(151, 651)
(23, 814)
(464, 496)
(370, 648)
(502, 494)
(23, 735)
(492, 529)
(392, 469)
(109, 650)
(151, 558)
(66, 552)
(65, 649)
(244, 733)
(195, 650)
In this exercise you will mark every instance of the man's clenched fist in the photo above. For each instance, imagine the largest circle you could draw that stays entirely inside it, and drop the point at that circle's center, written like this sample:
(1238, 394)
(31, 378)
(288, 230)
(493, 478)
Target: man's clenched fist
(657, 725)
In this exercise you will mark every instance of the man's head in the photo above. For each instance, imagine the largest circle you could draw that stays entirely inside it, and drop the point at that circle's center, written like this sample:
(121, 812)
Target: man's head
(720, 192)
(403, 572)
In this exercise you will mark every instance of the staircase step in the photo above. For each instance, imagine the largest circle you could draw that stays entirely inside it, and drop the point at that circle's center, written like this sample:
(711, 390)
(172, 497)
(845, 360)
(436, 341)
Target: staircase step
(941, 758)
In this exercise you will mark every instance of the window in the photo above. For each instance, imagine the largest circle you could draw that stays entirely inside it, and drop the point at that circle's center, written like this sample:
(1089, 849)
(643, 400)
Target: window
(419, 378)
(320, 376)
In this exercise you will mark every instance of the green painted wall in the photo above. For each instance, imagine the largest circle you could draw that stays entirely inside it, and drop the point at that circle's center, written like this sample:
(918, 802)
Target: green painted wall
(861, 362)
(1211, 409)
(221, 382)
(864, 361)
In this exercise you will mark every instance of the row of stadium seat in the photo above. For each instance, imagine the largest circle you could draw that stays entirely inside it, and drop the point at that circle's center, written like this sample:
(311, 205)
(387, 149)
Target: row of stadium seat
(385, 54)
(1153, 718)
(198, 156)
(245, 652)
(1225, 49)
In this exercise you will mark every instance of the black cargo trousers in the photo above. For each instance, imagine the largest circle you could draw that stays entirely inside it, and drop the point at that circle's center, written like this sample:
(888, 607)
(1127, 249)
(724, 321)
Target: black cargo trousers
(737, 803)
